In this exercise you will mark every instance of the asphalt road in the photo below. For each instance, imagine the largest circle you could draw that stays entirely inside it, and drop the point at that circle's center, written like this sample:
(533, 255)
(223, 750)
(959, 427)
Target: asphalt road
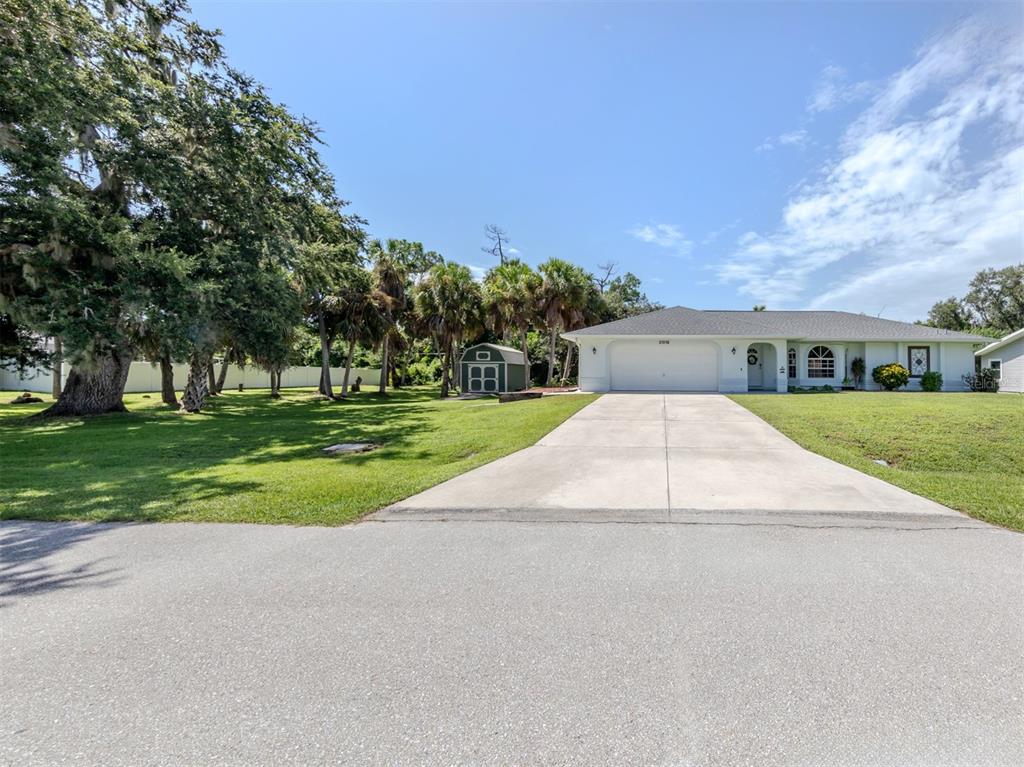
(726, 640)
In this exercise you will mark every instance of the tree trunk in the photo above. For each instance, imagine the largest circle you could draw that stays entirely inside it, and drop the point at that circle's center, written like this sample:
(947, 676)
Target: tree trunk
(94, 390)
(526, 356)
(446, 369)
(384, 361)
(197, 388)
(275, 383)
(223, 374)
(167, 381)
(348, 367)
(456, 368)
(57, 367)
(568, 362)
(551, 357)
(211, 379)
(326, 388)
(402, 371)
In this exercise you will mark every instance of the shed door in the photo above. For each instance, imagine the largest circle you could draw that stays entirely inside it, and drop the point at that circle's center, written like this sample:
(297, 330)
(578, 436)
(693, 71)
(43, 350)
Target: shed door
(483, 378)
(652, 365)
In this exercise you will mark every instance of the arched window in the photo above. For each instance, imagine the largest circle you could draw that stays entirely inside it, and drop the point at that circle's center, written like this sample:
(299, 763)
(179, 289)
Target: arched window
(821, 363)
(791, 358)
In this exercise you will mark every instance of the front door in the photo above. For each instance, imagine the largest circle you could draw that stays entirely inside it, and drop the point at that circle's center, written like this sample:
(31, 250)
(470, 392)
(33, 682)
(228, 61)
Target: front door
(755, 368)
(483, 378)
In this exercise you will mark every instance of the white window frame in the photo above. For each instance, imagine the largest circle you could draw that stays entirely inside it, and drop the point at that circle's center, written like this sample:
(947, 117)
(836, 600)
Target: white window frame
(999, 370)
(792, 363)
(832, 359)
(483, 355)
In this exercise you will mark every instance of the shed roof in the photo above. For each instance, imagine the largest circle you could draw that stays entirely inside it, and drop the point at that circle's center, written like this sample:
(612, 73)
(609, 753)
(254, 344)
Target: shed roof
(508, 354)
(822, 325)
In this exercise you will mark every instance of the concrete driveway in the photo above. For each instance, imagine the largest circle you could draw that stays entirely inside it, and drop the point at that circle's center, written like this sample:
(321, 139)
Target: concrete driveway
(665, 457)
(761, 629)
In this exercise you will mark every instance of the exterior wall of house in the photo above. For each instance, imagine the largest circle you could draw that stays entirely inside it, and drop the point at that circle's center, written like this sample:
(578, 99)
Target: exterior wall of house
(732, 367)
(843, 352)
(593, 361)
(876, 354)
(1011, 378)
(145, 377)
(952, 359)
(955, 362)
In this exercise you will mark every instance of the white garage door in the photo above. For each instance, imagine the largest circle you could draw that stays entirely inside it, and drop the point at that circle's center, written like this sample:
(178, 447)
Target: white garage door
(660, 366)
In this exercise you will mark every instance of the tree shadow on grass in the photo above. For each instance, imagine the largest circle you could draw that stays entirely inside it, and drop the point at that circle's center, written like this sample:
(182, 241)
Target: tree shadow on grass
(153, 464)
(26, 547)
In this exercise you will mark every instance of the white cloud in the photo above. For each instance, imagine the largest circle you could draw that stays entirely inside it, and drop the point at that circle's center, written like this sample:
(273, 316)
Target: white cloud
(667, 236)
(833, 90)
(794, 138)
(798, 137)
(711, 237)
(513, 251)
(478, 272)
(916, 201)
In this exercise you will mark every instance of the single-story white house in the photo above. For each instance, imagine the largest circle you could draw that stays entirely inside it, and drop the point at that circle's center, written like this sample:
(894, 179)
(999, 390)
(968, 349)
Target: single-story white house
(682, 349)
(1006, 356)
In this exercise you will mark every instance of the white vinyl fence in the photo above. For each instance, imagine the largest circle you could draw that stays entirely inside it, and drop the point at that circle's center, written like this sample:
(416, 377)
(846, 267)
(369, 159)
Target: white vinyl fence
(145, 377)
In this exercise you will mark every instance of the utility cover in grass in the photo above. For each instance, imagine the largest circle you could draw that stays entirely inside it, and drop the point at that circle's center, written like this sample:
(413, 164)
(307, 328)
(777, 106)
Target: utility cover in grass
(349, 447)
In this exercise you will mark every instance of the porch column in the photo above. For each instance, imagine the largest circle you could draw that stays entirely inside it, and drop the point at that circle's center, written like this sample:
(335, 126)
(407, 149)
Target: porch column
(781, 371)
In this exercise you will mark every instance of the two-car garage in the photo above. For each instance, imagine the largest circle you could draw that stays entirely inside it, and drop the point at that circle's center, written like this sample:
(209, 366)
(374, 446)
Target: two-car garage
(663, 365)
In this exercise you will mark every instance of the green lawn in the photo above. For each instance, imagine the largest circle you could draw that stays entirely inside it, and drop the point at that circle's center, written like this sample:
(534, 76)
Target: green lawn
(965, 451)
(253, 459)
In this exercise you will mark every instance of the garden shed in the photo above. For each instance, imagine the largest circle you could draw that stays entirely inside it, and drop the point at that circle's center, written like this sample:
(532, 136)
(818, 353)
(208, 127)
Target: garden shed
(490, 368)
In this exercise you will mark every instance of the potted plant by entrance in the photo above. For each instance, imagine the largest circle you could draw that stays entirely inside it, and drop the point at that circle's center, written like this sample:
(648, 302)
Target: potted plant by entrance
(858, 368)
(847, 384)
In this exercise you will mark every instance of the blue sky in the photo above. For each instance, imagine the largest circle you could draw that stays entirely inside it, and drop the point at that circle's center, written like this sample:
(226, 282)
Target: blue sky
(865, 157)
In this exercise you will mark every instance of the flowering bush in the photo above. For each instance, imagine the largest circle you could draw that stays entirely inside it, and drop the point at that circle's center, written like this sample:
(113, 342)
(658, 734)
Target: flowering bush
(890, 377)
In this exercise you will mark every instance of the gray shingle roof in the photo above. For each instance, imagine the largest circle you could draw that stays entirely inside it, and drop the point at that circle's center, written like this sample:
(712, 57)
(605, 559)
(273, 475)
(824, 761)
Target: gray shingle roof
(515, 356)
(823, 326)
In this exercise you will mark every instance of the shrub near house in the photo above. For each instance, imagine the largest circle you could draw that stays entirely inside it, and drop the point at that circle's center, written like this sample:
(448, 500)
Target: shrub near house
(931, 381)
(891, 376)
(985, 379)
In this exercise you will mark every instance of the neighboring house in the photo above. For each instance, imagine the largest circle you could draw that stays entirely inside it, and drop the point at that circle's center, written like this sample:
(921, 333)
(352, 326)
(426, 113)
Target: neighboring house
(489, 368)
(1007, 357)
(681, 349)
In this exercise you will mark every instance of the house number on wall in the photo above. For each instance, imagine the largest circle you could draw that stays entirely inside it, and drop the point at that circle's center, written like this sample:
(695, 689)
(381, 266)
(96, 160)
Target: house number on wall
(662, 342)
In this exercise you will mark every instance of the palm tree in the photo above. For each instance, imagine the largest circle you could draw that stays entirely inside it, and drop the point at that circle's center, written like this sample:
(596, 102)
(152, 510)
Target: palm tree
(358, 310)
(448, 302)
(575, 317)
(511, 293)
(390, 271)
(563, 293)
